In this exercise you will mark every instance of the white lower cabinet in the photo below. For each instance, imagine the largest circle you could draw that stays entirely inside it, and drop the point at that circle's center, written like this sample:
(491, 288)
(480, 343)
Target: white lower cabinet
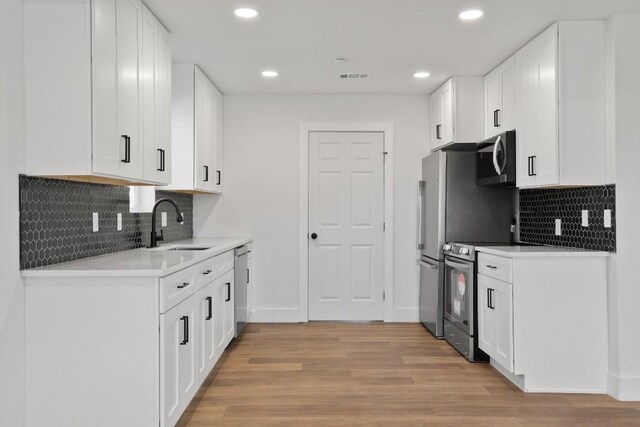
(178, 359)
(495, 319)
(143, 345)
(529, 308)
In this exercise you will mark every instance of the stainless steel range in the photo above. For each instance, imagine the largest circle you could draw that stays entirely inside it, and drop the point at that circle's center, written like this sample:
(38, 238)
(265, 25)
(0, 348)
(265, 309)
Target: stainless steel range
(460, 296)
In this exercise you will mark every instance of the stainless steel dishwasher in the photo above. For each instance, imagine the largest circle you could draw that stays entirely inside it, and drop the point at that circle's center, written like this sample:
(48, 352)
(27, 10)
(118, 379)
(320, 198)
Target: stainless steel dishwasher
(241, 279)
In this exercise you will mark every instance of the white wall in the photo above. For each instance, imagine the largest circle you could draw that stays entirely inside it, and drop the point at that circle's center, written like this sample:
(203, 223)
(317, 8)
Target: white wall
(11, 161)
(261, 187)
(624, 126)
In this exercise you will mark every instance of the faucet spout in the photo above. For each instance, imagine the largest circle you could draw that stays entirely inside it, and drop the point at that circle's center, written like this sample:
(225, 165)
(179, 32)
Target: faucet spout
(155, 238)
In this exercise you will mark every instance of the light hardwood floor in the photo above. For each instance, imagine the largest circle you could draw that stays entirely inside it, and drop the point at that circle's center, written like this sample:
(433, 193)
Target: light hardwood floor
(360, 374)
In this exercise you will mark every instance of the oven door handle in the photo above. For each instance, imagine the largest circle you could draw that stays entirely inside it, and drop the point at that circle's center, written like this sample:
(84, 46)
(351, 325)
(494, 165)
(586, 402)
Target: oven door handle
(498, 167)
(457, 265)
(429, 266)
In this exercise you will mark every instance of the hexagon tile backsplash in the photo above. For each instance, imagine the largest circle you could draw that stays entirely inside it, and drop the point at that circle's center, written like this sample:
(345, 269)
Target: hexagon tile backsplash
(56, 221)
(539, 210)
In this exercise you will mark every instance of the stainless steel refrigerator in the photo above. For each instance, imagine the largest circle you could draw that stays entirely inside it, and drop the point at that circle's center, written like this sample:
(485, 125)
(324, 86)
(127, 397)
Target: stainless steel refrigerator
(452, 208)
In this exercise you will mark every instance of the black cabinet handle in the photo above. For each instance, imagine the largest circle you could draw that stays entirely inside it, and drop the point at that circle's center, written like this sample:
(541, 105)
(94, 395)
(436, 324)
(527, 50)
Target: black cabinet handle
(488, 297)
(248, 275)
(228, 285)
(314, 236)
(493, 267)
(127, 149)
(206, 173)
(185, 324)
(219, 177)
(491, 306)
(529, 166)
(210, 303)
(184, 285)
(207, 272)
(438, 136)
(496, 118)
(162, 160)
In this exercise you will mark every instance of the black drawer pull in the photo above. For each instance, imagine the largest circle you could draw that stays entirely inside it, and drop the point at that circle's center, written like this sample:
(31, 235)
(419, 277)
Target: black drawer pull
(228, 285)
(210, 303)
(207, 272)
(185, 339)
(184, 285)
(493, 267)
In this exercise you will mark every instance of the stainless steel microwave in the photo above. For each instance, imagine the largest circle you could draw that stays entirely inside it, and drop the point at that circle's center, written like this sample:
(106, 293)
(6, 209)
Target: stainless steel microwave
(496, 161)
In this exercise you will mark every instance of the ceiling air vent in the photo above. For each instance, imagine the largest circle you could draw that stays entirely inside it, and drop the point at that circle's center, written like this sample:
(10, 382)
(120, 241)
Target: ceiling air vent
(354, 75)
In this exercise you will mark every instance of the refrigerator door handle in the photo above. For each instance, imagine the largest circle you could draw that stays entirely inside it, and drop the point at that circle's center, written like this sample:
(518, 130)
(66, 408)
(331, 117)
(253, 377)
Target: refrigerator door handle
(429, 266)
(421, 186)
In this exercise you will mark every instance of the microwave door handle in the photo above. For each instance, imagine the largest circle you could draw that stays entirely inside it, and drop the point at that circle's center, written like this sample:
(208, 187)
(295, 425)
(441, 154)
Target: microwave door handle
(496, 165)
(421, 185)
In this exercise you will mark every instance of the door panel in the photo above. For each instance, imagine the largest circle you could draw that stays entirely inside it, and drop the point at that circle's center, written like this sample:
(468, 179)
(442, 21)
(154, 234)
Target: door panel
(163, 102)
(493, 101)
(148, 78)
(432, 296)
(508, 112)
(526, 116)
(346, 211)
(436, 120)
(219, 317)
(206, 331)
(447, 113)
(229, 308)
(128, 48)
(503, 303)
(546, 162)
(433, 175)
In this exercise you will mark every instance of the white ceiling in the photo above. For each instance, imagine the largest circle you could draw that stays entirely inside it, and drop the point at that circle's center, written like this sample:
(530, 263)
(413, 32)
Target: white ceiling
(390, 39)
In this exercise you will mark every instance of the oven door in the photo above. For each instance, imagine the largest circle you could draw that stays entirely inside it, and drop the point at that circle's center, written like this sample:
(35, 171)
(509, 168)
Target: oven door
(459, 285)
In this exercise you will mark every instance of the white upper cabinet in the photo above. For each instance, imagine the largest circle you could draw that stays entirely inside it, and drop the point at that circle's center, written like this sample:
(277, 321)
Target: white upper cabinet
(560, 107)
(500, 99)
(456, 112)
(92, 90)
(156, 99)
(196, 131)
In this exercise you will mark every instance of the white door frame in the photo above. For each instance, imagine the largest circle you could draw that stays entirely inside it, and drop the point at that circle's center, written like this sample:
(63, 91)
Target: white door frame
(303, 245)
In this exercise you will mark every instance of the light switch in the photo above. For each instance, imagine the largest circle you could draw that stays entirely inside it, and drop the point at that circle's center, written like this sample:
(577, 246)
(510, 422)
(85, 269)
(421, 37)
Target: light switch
(607, 218)
(585, 218)
(119, 217)
(164, 219)
(96, 227)
(558, 227)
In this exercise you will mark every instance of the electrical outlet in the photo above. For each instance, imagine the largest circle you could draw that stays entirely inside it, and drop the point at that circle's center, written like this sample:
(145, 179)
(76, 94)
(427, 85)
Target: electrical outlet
(119, 220)
(164, 219)
(585, 218)
(607, 218)
(558, 227)
(96, 227)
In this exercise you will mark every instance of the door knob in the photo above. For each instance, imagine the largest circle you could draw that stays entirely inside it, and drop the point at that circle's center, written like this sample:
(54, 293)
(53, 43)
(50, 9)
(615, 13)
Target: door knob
(314, 236)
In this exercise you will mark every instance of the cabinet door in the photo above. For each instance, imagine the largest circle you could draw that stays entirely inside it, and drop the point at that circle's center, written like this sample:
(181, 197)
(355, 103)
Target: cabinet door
(128, 64)
(447, 112)
(148, 82)
(204, 117)
(501, 300)
(219, 317)
(526, 114)
(507, 115)
(492, 102)
(229, 309)
(546, 57)
(486, 318)
(162, 150)
(436, 120)
(219, 138)
(178, 382)
(205, 331)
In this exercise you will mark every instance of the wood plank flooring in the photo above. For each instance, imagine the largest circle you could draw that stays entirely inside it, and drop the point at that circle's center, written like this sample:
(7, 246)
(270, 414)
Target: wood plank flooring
(375, 374)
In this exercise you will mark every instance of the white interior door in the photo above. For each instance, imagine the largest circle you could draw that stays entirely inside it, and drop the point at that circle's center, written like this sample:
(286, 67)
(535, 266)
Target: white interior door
(346, 214)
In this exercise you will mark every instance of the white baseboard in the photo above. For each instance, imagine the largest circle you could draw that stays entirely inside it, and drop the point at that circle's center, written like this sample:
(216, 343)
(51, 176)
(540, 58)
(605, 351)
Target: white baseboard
(274, 315)
(623, 388)
(518, 380)
(406, 314)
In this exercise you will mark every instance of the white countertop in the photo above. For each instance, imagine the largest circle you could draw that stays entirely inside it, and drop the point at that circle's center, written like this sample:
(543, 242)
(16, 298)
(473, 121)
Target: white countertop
(141, 262)
(539, 251)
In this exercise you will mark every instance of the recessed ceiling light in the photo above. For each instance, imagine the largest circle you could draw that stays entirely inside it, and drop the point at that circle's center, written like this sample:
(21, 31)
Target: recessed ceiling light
(270, 73)
(470, 15)
(246, 13)
(421, 74)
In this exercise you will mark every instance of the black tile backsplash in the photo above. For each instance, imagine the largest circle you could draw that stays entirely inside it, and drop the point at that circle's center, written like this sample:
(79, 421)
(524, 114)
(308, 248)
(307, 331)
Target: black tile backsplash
(56, 221)
(540, 208)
